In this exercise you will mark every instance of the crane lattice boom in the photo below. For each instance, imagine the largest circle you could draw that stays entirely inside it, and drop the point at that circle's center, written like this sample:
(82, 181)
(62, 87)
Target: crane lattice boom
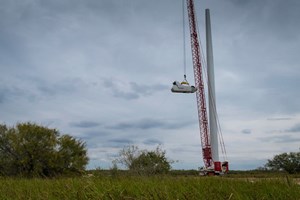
(199, 84)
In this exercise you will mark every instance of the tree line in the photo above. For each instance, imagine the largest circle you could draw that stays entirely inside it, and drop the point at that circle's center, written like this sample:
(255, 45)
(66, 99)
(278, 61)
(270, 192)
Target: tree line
(31, 150)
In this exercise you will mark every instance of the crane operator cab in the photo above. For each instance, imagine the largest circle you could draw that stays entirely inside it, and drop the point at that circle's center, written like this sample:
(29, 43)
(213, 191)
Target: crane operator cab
(183, 87)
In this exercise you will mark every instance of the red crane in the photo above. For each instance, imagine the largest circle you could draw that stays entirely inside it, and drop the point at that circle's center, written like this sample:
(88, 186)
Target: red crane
(199, 84)
(211, 166)
(208, 131)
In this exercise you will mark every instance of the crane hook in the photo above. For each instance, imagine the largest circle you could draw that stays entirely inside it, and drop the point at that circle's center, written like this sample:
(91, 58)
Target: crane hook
(184, 80)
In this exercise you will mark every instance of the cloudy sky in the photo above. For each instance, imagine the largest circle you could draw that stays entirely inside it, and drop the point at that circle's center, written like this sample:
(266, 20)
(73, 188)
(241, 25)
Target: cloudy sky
(101, 70)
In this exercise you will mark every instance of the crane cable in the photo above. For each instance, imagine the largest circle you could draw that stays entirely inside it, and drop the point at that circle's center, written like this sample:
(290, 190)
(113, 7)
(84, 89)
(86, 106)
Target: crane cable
(220, 134)
(184, 45)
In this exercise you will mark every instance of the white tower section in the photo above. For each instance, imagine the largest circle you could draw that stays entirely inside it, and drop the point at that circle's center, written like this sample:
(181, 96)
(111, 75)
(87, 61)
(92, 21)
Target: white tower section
(213, 127)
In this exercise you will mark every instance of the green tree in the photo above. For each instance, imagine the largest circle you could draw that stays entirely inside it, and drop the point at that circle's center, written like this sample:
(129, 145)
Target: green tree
(289, 162)
(72, 154)
(143, 161)
(32, 150)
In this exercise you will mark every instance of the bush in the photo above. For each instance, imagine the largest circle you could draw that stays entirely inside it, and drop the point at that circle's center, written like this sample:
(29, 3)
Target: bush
(144, 162)
(289, 162)
(32, 150)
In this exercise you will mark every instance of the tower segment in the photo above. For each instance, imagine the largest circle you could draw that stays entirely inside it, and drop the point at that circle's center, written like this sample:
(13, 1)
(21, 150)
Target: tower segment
(213, 126)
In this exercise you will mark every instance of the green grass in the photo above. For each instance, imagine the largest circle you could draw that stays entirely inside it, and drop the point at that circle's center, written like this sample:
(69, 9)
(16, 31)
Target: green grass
(165, 187)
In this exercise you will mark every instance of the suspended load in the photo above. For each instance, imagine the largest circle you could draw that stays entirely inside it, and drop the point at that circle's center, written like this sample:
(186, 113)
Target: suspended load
(183, 87)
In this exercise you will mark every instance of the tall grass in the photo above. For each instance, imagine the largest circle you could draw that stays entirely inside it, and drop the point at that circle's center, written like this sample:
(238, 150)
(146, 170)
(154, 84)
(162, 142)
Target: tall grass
(164, 187)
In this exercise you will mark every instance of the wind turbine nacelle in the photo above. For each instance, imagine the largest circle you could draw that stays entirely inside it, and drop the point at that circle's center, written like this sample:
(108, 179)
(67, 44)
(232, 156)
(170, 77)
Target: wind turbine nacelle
(182, 87)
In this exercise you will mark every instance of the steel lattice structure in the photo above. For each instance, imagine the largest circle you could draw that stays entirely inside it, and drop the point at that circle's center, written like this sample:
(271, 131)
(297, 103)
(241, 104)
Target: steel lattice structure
(199, 84)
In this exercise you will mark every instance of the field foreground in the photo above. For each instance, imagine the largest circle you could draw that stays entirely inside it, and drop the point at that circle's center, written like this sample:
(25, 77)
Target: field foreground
(144, 188)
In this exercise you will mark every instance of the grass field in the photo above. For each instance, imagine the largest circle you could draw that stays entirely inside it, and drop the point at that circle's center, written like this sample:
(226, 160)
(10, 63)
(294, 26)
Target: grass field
(164, 187)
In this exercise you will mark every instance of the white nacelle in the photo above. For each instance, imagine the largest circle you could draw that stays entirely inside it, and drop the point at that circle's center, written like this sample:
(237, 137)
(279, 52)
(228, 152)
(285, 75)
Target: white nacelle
(183, 87)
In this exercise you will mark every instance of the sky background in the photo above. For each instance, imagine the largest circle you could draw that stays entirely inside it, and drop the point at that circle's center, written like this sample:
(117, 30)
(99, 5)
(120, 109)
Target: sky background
(101, 70)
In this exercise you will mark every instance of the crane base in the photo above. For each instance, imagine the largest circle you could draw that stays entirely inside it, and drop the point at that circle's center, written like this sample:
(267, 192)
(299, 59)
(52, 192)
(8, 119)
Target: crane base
(216, 171)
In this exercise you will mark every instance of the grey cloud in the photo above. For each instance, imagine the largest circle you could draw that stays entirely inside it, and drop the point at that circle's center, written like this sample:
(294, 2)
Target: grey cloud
(145, 124)
(112, 155)
(279, 119)
(280, 139)
(246, 131)
(145, 90)
(277, 91)
(85, 124)
(11, 93)
(119, 92)
(125, 95)
(241, 2)
(194, 149)
(294, 129)
(152, 142)
(275, 17)
(132, 90)
(96, 133)
(3, 95)
(65, 86)
(247, 165)
(118, 142)
(95, 138)
(149, 123)
(267, 25)
(268, 93)
(31, 88)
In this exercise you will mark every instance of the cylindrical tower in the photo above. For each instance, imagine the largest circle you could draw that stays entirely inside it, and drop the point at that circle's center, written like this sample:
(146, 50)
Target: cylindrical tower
(211, 91)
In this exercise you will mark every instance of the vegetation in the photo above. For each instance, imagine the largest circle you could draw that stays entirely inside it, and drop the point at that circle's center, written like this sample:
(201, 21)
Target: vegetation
(144, 162)
(31, 150)
(145, 187)
(289, 162)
